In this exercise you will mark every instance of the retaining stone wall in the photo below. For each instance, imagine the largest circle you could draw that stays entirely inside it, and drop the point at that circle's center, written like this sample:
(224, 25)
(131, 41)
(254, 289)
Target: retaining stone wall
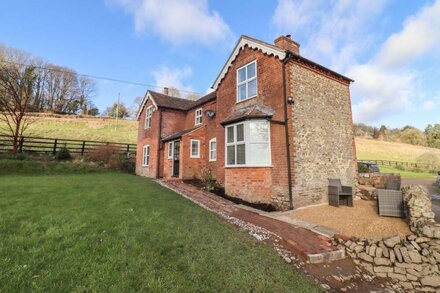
(413, 261)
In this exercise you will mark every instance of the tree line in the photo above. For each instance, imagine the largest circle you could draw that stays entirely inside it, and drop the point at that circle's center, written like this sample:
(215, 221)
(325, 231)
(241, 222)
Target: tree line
(429, 137)
(54, 88)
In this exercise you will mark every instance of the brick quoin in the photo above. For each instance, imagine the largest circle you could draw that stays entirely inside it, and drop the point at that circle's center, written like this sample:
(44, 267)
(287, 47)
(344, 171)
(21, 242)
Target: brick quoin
(319, 123)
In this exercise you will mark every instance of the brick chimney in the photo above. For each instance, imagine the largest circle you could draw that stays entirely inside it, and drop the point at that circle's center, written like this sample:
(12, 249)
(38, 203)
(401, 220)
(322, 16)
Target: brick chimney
(286, 43)
(165, 91)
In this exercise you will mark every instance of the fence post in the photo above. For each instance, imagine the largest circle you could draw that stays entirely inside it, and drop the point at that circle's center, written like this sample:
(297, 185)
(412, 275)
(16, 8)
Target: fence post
(55, 143)
(83, 147)
(128, 148)
(20, 146)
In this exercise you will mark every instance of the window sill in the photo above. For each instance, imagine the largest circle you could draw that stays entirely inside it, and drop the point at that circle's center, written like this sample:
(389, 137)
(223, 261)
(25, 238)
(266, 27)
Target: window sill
(145, 165)
(247, 166)
(238, 102)
(194, 157)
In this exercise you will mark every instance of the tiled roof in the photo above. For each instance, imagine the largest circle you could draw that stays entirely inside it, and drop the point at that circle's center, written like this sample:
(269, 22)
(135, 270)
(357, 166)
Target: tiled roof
(254, 111)
(165, 101)
(179, 134)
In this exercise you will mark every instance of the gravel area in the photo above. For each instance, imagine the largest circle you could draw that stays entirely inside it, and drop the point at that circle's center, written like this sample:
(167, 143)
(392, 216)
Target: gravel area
(361, 221)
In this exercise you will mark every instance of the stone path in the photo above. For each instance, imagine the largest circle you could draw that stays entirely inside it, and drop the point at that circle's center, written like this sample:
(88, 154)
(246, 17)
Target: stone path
(312, 246)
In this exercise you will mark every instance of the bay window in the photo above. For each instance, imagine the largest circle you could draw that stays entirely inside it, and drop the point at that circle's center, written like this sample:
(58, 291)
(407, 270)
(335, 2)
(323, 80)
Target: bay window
(248, 144)
(247, 81)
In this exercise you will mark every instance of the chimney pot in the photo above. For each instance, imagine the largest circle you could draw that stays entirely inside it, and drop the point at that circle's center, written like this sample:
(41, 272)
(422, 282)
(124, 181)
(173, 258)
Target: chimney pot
(286, 43)
(165, 91)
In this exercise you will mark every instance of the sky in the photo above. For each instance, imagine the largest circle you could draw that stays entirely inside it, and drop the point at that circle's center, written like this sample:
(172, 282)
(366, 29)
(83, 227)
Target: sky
(390, 48)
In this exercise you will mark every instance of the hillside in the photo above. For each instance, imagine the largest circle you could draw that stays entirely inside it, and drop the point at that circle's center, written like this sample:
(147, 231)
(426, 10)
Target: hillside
(370, 149)
(89, 128)
(105, 129)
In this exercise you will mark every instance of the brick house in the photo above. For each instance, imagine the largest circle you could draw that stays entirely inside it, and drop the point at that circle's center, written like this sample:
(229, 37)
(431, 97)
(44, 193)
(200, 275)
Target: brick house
(274, 129)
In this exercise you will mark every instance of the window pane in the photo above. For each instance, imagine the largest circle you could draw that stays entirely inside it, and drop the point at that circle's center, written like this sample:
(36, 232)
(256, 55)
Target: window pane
(250, 70)
(194, 148)
(259, 154)
(241, 154)
(230, 134)
(259, 131)
(240, 132)
(242, 92)
(252, 88)
(242, 74)
(230, 155)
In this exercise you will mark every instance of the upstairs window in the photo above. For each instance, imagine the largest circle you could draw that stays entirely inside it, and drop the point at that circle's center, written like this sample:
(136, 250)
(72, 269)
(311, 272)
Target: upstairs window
(146, 155)
(195, 148)
(248, 144)
(198, 119)
(148, 114)
(213, 150)
(247, 81)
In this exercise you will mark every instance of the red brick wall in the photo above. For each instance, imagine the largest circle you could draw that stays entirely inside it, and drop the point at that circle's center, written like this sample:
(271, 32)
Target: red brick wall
(148, 137)
(259, 181)
(250, 184)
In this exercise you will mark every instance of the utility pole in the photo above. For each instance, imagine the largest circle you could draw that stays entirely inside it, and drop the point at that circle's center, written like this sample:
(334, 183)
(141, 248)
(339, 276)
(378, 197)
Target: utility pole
(117, 111)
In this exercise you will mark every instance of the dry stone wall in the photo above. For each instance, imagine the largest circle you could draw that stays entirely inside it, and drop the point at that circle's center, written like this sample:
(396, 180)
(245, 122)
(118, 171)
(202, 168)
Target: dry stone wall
(412, 261)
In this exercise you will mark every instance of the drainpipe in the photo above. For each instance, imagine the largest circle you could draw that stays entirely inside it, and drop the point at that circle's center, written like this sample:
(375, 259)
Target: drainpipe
(286, 128)
(158, 143)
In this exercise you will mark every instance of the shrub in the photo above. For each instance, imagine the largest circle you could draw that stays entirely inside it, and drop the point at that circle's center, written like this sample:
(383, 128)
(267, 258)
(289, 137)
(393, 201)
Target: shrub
(362, 168)
(63, 154)
(103, 154)
(429, 162)
(208, 179)
(126, 164)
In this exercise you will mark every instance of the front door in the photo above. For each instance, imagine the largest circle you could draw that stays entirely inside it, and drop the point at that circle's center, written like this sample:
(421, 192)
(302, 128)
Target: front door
(176, 158)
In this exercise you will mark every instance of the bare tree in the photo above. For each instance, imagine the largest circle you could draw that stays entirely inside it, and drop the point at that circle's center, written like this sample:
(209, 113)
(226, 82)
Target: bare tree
(192, 96)
(173, 92)
(17, 84)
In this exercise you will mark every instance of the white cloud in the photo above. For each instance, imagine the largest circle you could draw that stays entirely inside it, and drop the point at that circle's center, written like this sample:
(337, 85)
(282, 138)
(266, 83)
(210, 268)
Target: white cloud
(420, 34)
(174, 77)
(383, 92)
(336, 30)
(179, 21)
(386, 85)
(339, 33)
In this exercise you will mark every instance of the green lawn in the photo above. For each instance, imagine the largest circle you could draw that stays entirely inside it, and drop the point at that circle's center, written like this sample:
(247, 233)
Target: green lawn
(408, 174)
(115, 232)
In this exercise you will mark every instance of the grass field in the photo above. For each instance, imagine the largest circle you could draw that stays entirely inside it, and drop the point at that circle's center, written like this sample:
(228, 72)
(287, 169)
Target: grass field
(100, 129)
(369, 149)
(408, 174)
(115, 232)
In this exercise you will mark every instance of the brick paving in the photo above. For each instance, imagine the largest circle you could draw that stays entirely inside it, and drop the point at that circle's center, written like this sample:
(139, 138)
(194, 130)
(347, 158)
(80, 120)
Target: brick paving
(312, 246)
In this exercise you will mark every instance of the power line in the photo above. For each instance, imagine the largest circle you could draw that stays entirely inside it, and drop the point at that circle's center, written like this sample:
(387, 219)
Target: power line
(95, 76)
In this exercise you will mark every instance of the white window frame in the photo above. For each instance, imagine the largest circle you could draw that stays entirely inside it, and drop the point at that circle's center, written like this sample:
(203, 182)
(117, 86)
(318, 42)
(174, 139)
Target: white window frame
(246, 81)
(197, 156)
(247, 142)
(198, 116)
(148, 115)
(170, 150)
(213, 151)
(146, 155)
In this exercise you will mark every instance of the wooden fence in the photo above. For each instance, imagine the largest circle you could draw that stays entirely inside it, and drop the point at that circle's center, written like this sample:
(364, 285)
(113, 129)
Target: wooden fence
(28, 144)
(391, 163)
